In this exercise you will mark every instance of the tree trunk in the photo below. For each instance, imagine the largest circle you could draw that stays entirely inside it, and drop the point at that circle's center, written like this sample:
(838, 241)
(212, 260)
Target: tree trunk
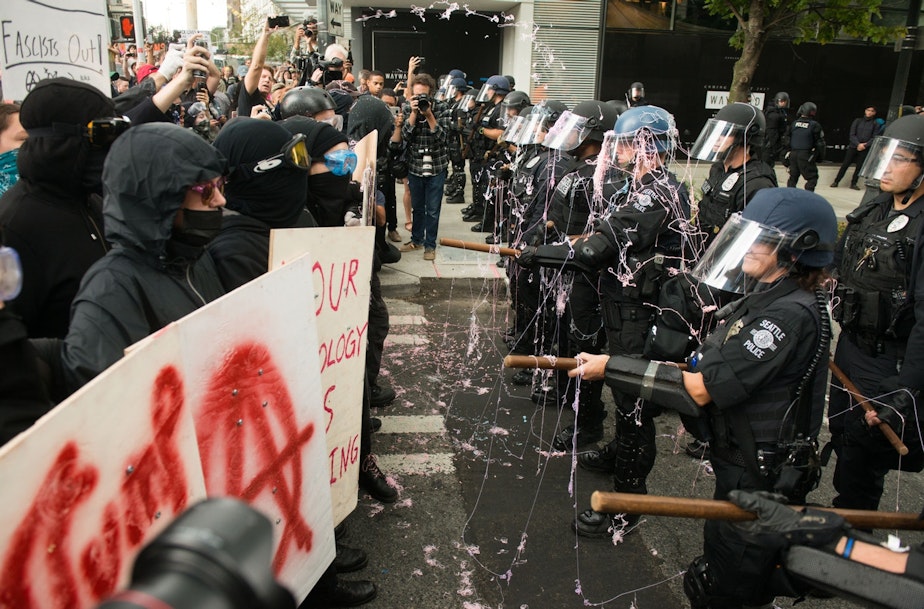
(754, 39)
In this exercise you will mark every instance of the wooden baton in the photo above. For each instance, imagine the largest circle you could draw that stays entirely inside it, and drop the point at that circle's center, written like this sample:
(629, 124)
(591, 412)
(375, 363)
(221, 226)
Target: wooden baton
(543, 362)
(480, 247)
(887, 431)
(710, 509)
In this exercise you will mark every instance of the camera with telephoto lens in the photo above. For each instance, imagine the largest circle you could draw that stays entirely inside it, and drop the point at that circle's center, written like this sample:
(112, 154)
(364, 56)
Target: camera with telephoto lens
(423, 102)
(330, 64)
(217, 554)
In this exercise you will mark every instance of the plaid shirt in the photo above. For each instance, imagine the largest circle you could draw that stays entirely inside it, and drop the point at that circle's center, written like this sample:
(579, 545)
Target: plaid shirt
(420, 140)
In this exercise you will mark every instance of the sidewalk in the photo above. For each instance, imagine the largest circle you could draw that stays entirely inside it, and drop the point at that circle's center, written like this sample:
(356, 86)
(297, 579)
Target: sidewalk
(458, 263)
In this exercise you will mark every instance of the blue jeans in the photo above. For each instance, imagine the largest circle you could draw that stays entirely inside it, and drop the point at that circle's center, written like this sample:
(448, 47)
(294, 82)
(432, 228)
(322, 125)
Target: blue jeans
(426, 199)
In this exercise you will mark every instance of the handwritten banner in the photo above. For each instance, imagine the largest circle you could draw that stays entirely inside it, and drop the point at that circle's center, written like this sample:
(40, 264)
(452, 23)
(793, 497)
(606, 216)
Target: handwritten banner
(66, 38)
(340, 272)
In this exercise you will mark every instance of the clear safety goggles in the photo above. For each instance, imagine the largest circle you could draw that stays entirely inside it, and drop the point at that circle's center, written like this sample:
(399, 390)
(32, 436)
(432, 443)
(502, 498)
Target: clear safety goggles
(739, 255)
(716, 140)
(888, 154)
(568, 132)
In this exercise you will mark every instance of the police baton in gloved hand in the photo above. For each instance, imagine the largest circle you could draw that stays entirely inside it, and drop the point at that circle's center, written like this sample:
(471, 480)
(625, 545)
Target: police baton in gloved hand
(529, 257)
(711, 509)
(854, 391)
(479, 247)
(660, 383)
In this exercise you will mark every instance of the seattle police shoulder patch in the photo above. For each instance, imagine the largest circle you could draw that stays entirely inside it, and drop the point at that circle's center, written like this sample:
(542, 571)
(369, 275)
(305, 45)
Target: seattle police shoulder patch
(762, 340)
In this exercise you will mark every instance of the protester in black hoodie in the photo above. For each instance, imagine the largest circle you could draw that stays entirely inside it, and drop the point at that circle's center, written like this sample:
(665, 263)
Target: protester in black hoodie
(161, 204)
(53, 215)
(258, 201)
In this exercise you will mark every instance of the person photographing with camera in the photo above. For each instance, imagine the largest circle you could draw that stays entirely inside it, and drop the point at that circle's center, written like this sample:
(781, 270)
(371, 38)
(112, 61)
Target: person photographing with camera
(425, 132)
(258, 82)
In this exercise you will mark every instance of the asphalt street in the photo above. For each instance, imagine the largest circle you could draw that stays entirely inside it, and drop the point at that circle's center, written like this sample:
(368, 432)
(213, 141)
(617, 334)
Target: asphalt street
(482, 520)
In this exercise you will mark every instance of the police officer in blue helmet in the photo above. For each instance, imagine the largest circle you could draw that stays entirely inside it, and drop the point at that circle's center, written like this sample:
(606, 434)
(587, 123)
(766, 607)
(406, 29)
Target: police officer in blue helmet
(756, 384)
(638, 216)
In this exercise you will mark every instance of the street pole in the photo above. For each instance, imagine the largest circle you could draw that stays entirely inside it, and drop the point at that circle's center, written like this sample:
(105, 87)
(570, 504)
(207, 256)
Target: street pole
(908, 44)
(323, 35)
(138, 16)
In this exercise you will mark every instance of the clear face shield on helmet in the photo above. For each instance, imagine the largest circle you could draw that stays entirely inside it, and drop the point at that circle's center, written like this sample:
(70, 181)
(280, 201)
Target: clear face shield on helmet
(513, 130)
(897, 164)
(717, 140)
(568, 132)
(445, 90)
(743, 254)
(534, 128)
(486, 94)
(466, 103)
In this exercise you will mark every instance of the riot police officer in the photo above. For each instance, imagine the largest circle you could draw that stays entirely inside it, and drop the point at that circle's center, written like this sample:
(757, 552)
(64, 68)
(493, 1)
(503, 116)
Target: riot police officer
(732, 140)
(807, 147)
(574, 209)
(878, 305)
(642, 236)
(484, 130)
(759, 377)
(776, 141)
(537, 171)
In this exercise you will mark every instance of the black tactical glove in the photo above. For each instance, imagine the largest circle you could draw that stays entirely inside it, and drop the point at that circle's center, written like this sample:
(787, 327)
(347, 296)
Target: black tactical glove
(779, 526)
(897, 406)
(527, 257)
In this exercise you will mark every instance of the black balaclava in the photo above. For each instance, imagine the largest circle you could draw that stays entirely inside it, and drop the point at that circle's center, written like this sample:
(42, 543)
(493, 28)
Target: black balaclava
(367, 114)
(276, 197)
(67, 164)
(328, 194)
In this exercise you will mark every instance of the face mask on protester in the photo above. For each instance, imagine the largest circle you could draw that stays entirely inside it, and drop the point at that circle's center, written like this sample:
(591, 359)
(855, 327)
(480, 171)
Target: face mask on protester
(197, 227)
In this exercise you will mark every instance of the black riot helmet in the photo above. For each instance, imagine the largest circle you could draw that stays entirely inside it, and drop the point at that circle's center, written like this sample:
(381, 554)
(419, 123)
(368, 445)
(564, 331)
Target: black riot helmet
(636, 91)
(590, 120)
(808, 109)
(782, 96)
(737, 124)
(516, 100)
(305, 101)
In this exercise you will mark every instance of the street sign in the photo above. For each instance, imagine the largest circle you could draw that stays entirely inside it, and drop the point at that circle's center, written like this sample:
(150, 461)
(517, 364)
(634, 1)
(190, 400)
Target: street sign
(335, 17)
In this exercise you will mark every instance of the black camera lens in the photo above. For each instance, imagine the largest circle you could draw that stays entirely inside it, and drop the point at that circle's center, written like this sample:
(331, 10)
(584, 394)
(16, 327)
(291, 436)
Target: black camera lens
(423, 103)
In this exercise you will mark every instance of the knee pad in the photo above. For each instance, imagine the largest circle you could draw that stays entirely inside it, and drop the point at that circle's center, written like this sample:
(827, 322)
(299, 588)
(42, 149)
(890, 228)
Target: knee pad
(697, 583)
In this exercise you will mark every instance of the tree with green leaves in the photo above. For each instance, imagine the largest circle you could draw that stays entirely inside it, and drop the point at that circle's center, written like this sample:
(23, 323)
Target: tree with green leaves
(805, 20)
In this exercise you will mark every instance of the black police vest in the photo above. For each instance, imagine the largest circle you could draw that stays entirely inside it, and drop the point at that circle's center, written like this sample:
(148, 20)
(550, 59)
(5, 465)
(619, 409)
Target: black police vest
(724, 193)
(522, 183)
(802, 135)
(651, 265)
(873, 275)
(766, 410)
(572, 204)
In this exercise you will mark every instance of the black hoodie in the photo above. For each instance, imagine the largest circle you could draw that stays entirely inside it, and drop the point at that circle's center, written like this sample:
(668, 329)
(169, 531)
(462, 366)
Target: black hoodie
(140, 286)
(52, 216)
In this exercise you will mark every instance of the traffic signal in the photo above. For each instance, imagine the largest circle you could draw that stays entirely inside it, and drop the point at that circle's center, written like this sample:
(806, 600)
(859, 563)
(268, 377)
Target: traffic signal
(127, 27)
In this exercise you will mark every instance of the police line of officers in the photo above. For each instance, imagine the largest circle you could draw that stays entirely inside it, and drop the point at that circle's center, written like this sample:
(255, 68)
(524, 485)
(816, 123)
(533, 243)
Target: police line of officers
(616, 256)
